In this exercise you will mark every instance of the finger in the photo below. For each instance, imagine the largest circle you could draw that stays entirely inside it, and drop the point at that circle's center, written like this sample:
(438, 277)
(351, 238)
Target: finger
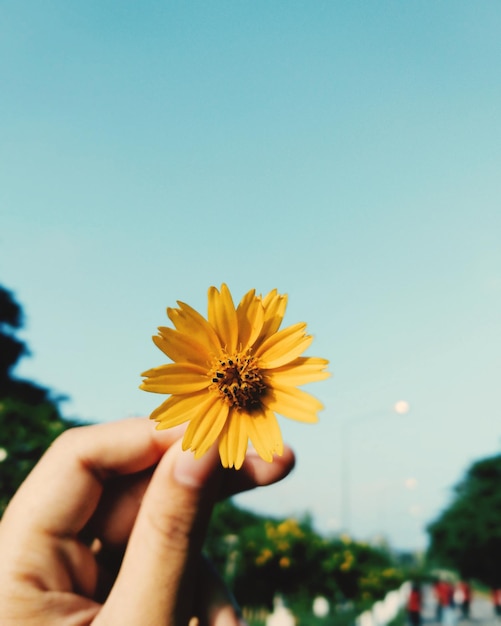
(255, 472)
(165, 543)
(122, 497)
(117, 510)
(63, 490)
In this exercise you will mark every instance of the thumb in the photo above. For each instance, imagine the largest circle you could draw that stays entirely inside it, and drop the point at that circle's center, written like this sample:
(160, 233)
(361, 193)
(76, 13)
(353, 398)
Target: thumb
(156, 580)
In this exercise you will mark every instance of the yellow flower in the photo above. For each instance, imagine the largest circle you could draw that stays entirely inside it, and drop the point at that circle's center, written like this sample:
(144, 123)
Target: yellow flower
(264, 557)
(232, 372)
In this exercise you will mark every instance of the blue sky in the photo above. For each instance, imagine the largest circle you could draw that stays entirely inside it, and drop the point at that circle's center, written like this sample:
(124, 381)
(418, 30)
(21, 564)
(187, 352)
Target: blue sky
(347, 154)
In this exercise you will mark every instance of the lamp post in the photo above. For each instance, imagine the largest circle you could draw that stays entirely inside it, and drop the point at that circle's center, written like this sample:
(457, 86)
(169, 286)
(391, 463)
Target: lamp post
(401, 407)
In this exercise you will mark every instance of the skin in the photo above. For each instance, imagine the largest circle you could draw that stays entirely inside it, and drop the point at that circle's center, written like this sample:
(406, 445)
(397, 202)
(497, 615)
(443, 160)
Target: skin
(108, 530)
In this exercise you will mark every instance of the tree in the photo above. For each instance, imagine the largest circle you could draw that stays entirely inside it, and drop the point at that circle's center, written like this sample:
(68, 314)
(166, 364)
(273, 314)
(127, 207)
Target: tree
(467, 535)
(11, 349)
(29, 413)
(262, 556)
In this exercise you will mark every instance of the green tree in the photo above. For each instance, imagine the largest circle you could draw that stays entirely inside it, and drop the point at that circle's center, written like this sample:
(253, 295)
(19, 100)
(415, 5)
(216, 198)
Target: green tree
(29, 414)
(362, 572)
(262, 556)
(467, 535)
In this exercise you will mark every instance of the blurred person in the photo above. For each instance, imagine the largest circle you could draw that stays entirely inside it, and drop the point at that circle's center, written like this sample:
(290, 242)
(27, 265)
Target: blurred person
(108, 528)
(496, 601)
(445, 592)
(438, 605)
(414, 605)
(463, 597)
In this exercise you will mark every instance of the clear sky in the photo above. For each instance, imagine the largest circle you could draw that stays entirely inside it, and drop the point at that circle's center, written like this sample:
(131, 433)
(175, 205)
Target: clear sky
(346, 153)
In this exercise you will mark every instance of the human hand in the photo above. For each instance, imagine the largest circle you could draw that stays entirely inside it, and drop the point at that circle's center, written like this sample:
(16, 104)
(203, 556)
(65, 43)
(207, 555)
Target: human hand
(108, 528)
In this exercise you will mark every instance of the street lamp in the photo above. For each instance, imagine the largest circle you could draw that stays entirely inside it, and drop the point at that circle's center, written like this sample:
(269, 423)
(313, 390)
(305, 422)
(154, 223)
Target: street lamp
(401, 407)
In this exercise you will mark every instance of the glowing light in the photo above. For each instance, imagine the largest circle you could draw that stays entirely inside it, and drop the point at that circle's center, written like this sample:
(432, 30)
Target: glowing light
(410, 483)
(402, 407)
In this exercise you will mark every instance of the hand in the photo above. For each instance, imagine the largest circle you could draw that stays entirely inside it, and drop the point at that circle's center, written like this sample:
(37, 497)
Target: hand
(108, 529)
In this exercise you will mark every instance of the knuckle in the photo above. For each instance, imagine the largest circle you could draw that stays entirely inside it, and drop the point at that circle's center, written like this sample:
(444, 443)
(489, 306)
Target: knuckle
(66, 439)
(173, 528)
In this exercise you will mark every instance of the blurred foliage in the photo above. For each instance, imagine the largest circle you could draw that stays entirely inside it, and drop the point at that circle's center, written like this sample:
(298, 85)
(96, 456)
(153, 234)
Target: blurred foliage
(262, 557)
(467, 535)
(29, 413)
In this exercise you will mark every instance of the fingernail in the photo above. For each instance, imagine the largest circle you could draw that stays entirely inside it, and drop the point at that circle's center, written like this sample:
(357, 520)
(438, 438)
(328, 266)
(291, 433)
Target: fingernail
(195, 472)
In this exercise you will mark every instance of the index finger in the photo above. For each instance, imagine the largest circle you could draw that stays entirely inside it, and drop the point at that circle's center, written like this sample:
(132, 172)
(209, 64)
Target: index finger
(62, 492)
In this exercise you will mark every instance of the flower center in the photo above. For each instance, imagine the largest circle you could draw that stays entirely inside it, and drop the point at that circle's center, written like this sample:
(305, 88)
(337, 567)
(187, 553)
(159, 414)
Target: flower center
(238, 380)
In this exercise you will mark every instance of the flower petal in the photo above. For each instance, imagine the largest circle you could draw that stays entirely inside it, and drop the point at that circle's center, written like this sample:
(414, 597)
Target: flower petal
(233, 441)
(179, 409)
(284, 346)
(180, 347)
(250, 315)
(264, 433)
(274, 310)
(205, 427)
(302, 370)
(293, 403)
(223, 317)
(190, 322)
(175, 378)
